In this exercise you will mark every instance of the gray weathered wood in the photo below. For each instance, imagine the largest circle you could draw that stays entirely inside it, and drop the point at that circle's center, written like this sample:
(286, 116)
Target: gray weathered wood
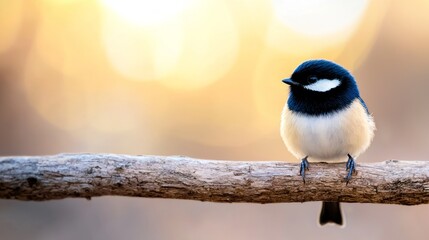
(90, 175)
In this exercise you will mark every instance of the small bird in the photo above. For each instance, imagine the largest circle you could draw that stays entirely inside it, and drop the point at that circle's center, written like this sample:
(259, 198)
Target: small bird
(325, 119)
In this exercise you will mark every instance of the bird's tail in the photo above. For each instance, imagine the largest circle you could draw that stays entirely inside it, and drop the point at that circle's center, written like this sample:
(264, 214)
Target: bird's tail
(331, 213)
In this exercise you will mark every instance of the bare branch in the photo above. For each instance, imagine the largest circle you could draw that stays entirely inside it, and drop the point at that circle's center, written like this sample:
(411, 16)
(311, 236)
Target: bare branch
(91, 175)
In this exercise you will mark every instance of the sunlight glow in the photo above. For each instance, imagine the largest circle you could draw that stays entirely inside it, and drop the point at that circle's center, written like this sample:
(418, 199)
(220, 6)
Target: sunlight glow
(308, 28)
(210, 47)
(56, 98)
(73, 103)
(188, 53)
(61, 2)
(10, 22)
(319, 17)
(67, 78)
(207, 72)
(142, 54)
(146, 12)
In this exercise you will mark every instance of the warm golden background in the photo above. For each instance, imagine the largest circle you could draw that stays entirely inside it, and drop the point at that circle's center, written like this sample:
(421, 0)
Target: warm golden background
(201, 78)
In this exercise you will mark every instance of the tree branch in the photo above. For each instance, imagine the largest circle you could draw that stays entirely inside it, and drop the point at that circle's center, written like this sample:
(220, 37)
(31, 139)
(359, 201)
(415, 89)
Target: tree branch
(90, 175)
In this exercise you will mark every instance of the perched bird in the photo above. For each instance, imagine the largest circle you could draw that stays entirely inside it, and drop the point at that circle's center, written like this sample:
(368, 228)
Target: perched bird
(325, 119)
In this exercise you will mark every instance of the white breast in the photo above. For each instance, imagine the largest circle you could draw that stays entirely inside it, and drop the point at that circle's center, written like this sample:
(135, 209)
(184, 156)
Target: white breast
(330, 137)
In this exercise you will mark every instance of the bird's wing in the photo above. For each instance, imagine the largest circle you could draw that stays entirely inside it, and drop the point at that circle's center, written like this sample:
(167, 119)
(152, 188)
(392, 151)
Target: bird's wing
(364, 105)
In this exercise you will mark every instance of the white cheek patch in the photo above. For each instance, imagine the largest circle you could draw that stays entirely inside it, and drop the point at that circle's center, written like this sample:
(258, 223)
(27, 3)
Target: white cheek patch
(323, 85)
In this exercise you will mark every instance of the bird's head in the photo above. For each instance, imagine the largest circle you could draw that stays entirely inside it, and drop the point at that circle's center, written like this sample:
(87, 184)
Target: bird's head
(320, 87)
(319, 76)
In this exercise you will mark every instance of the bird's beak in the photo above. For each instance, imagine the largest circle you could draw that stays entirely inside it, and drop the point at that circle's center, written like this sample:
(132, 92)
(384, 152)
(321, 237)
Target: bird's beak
(290, 82)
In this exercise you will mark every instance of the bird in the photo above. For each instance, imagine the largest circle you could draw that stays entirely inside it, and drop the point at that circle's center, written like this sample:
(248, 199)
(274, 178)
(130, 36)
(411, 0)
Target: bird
(325, 120)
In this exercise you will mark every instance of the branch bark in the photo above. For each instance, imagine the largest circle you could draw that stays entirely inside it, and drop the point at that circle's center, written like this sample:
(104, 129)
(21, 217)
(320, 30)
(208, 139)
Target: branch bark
(90, 175)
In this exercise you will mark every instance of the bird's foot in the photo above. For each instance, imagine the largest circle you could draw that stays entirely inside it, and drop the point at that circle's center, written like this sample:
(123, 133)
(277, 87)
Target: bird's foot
(304, 166)
(350, 167)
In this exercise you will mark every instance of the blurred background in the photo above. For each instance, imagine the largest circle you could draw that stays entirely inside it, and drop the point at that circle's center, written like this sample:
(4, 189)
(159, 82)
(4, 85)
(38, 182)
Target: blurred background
(202, 79)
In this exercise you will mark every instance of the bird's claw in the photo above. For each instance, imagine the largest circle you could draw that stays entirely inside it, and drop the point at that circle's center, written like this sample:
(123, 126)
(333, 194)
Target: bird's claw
(303, 167)
(350, 167)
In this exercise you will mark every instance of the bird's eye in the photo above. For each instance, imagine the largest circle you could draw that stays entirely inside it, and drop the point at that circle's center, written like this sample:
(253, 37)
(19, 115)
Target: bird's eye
(311, 79)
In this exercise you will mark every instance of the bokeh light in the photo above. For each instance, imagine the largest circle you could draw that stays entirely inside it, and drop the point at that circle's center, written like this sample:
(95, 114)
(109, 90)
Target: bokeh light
(58, 98)
(320, 18)
(68, 81)
(183, 45)
(147, 13)
(66, 46)
(141, 53)
(210, 48)
(11, 14)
